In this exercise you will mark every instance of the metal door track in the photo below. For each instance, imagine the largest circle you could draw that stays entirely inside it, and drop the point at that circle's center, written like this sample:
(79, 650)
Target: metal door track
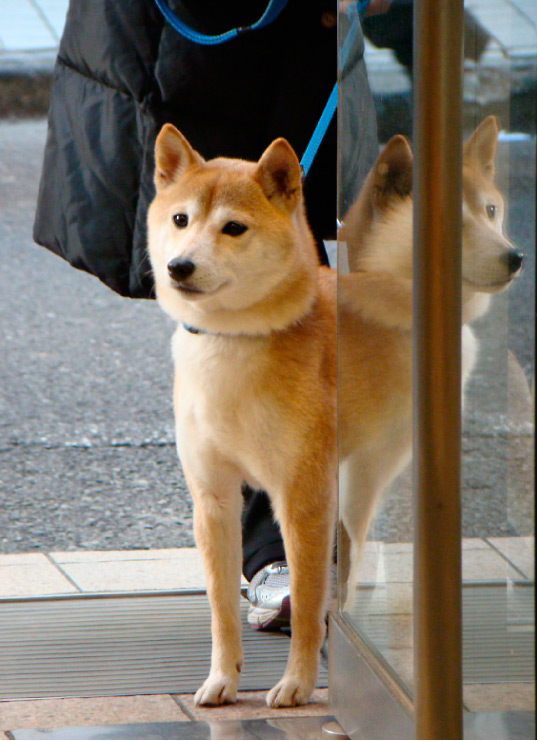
(113, 645)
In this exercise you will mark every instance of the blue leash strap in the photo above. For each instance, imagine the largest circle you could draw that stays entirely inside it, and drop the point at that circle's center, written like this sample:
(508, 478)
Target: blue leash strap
(272, 11)
(355, 12)
(318, 134)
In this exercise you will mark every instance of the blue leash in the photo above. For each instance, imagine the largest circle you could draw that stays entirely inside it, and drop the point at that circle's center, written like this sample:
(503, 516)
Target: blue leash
(355, 12)
(318, 135)
(272, 11)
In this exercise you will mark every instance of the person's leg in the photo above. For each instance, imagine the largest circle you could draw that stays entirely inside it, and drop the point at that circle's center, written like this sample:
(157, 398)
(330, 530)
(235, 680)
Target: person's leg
(264, 564)
(262, 541)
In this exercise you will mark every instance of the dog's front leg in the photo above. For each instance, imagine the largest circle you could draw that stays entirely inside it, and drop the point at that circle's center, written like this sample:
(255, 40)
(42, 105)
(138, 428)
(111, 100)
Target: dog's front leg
(217, 530)
(307, 515)
(362, 480)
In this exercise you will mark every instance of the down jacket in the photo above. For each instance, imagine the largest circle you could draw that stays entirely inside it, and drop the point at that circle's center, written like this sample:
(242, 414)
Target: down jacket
(122, 72)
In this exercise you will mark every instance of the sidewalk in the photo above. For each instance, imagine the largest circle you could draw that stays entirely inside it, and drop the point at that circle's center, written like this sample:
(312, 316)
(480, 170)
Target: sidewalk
(87, 572)
(31, 25)
(36, 25)
(30, 31)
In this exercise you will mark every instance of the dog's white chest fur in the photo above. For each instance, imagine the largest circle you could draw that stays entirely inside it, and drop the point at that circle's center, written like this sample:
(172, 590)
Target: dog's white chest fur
(219, 404)
(213, 373)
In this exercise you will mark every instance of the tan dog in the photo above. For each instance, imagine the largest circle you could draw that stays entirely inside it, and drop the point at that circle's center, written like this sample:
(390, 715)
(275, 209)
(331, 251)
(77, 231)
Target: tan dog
(255, 394)
(375, 404)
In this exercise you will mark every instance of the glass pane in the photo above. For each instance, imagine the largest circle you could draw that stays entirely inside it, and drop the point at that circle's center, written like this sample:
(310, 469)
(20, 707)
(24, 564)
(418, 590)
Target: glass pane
(374, 306)
(498, 437)
(498, 433)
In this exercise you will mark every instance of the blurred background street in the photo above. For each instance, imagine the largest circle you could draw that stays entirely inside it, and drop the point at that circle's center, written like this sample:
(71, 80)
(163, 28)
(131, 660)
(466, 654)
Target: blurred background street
(87, 456)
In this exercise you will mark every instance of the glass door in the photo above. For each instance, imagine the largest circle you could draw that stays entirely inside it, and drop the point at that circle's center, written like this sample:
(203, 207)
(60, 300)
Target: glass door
(381, 657)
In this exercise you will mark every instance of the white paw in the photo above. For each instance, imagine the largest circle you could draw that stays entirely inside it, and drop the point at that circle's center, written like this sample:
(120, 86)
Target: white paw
(217, 690)
(289, 692)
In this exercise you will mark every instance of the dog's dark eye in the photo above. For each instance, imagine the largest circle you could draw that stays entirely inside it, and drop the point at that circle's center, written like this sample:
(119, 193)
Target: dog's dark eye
(180, 220)
(491, 211)
(234, 229)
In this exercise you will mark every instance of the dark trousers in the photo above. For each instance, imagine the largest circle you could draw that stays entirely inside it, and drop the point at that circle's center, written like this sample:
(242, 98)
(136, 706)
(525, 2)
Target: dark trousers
(262, 541)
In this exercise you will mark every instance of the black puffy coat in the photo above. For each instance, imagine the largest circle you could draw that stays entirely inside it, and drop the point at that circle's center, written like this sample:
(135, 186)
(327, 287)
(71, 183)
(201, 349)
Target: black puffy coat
(122, 72)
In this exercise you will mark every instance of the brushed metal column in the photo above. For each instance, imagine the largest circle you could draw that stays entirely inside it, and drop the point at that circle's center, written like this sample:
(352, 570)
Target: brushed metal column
(437, 374)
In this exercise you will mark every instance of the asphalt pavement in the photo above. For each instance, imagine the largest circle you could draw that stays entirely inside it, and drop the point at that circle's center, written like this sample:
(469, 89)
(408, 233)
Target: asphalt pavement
(87, 456)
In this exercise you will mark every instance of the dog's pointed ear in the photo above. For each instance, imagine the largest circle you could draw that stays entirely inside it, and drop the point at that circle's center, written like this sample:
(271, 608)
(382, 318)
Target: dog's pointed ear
(480, 148)
(173, 155)
(389, 181)
(392, 173)
(279, 174)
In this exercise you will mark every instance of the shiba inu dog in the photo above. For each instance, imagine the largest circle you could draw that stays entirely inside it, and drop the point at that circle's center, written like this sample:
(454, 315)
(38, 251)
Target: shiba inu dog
(255, 393)
(376, 441)
(256, 365)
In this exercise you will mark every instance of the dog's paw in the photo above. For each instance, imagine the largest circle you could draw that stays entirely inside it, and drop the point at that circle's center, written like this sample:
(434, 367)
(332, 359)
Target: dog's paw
(217, 690)
(289, 692)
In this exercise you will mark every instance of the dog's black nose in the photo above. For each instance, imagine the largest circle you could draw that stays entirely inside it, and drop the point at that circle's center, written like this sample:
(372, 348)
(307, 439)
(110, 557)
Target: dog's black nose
(179, 269)
(514, 260)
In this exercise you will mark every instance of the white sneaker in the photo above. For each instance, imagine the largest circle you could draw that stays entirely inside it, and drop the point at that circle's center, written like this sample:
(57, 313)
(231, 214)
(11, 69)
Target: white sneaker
(270, 596)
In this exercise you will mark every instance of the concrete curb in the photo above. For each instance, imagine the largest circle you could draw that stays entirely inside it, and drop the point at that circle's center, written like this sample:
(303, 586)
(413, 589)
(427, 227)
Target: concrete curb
(509, 93)
(25, 81)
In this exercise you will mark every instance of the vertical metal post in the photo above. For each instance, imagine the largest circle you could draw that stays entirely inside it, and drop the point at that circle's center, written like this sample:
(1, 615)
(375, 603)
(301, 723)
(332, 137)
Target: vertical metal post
(437, 376)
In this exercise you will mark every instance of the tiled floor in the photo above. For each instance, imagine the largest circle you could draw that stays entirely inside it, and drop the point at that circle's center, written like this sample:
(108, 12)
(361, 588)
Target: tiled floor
(500, 560)
(32, 574)
(253, 705)
(144, 709)
(483, 560)
(57, 713)
(90, 711)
